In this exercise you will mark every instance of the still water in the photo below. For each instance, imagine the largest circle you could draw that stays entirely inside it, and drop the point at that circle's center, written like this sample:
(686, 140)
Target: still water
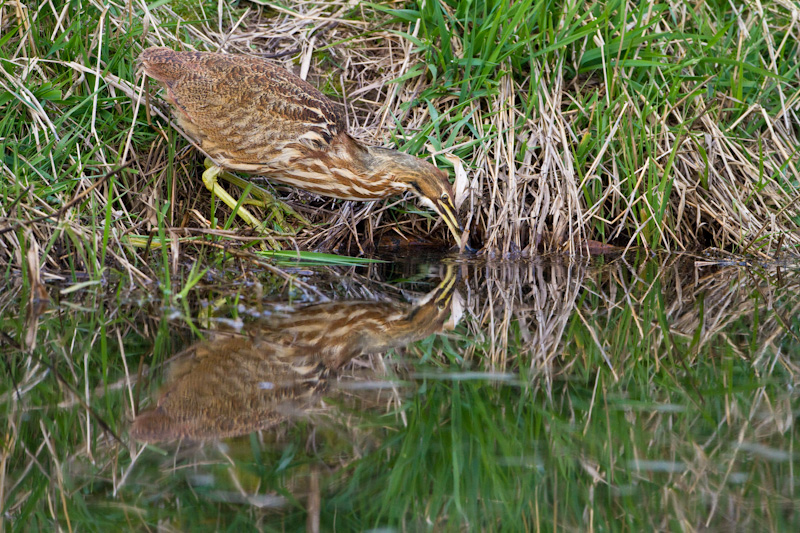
(556, 394)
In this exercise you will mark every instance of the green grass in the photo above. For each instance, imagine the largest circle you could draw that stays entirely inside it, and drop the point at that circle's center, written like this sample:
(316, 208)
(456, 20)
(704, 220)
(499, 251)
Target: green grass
(290, 258)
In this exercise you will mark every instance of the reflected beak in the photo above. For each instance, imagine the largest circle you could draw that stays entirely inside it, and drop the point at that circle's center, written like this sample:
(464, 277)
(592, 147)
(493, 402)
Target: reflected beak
(444, 291)
(448, 212)
(447, 286)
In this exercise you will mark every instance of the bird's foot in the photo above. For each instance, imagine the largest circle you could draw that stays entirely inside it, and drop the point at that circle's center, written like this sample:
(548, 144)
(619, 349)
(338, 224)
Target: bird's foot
(279, 210)
(210, 176)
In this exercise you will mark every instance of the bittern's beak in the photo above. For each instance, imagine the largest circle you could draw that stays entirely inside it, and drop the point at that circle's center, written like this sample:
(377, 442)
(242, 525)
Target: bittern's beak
(448, 212)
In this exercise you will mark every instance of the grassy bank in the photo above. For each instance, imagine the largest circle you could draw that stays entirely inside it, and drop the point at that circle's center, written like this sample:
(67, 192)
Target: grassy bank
(656, 126)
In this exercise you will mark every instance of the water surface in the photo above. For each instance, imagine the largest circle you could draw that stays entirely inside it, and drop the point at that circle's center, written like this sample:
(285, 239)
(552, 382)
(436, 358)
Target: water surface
(617, 394)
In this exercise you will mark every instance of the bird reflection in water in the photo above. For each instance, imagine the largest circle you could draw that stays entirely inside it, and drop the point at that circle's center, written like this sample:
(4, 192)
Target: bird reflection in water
(278, 368)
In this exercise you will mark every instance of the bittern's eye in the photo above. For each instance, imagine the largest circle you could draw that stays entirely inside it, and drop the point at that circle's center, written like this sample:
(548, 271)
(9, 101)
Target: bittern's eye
(445, 197)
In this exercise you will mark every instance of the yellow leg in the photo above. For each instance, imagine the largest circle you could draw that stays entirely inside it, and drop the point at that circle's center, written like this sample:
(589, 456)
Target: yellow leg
(277, 208)
(266, 199)
(210, 181)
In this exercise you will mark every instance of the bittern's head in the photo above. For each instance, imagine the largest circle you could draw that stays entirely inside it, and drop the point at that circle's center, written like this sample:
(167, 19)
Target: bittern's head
(430, 184)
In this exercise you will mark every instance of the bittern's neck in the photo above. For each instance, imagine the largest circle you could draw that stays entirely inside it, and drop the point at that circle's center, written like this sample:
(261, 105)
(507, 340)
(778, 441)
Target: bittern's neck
(376, 161)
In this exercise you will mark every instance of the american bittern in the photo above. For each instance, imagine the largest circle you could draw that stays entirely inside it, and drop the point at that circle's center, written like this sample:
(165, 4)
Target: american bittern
(236, 384)
(249, 115)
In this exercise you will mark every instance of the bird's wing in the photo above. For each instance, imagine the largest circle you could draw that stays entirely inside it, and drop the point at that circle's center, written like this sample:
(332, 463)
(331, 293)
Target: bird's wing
(243, 108)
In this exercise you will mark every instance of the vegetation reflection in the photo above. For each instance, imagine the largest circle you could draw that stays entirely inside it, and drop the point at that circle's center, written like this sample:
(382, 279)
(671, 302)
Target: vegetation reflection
(569, 394)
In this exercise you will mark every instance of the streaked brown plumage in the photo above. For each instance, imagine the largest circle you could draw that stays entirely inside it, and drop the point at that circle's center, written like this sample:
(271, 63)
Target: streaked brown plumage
(252, 116)
(235, 384)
